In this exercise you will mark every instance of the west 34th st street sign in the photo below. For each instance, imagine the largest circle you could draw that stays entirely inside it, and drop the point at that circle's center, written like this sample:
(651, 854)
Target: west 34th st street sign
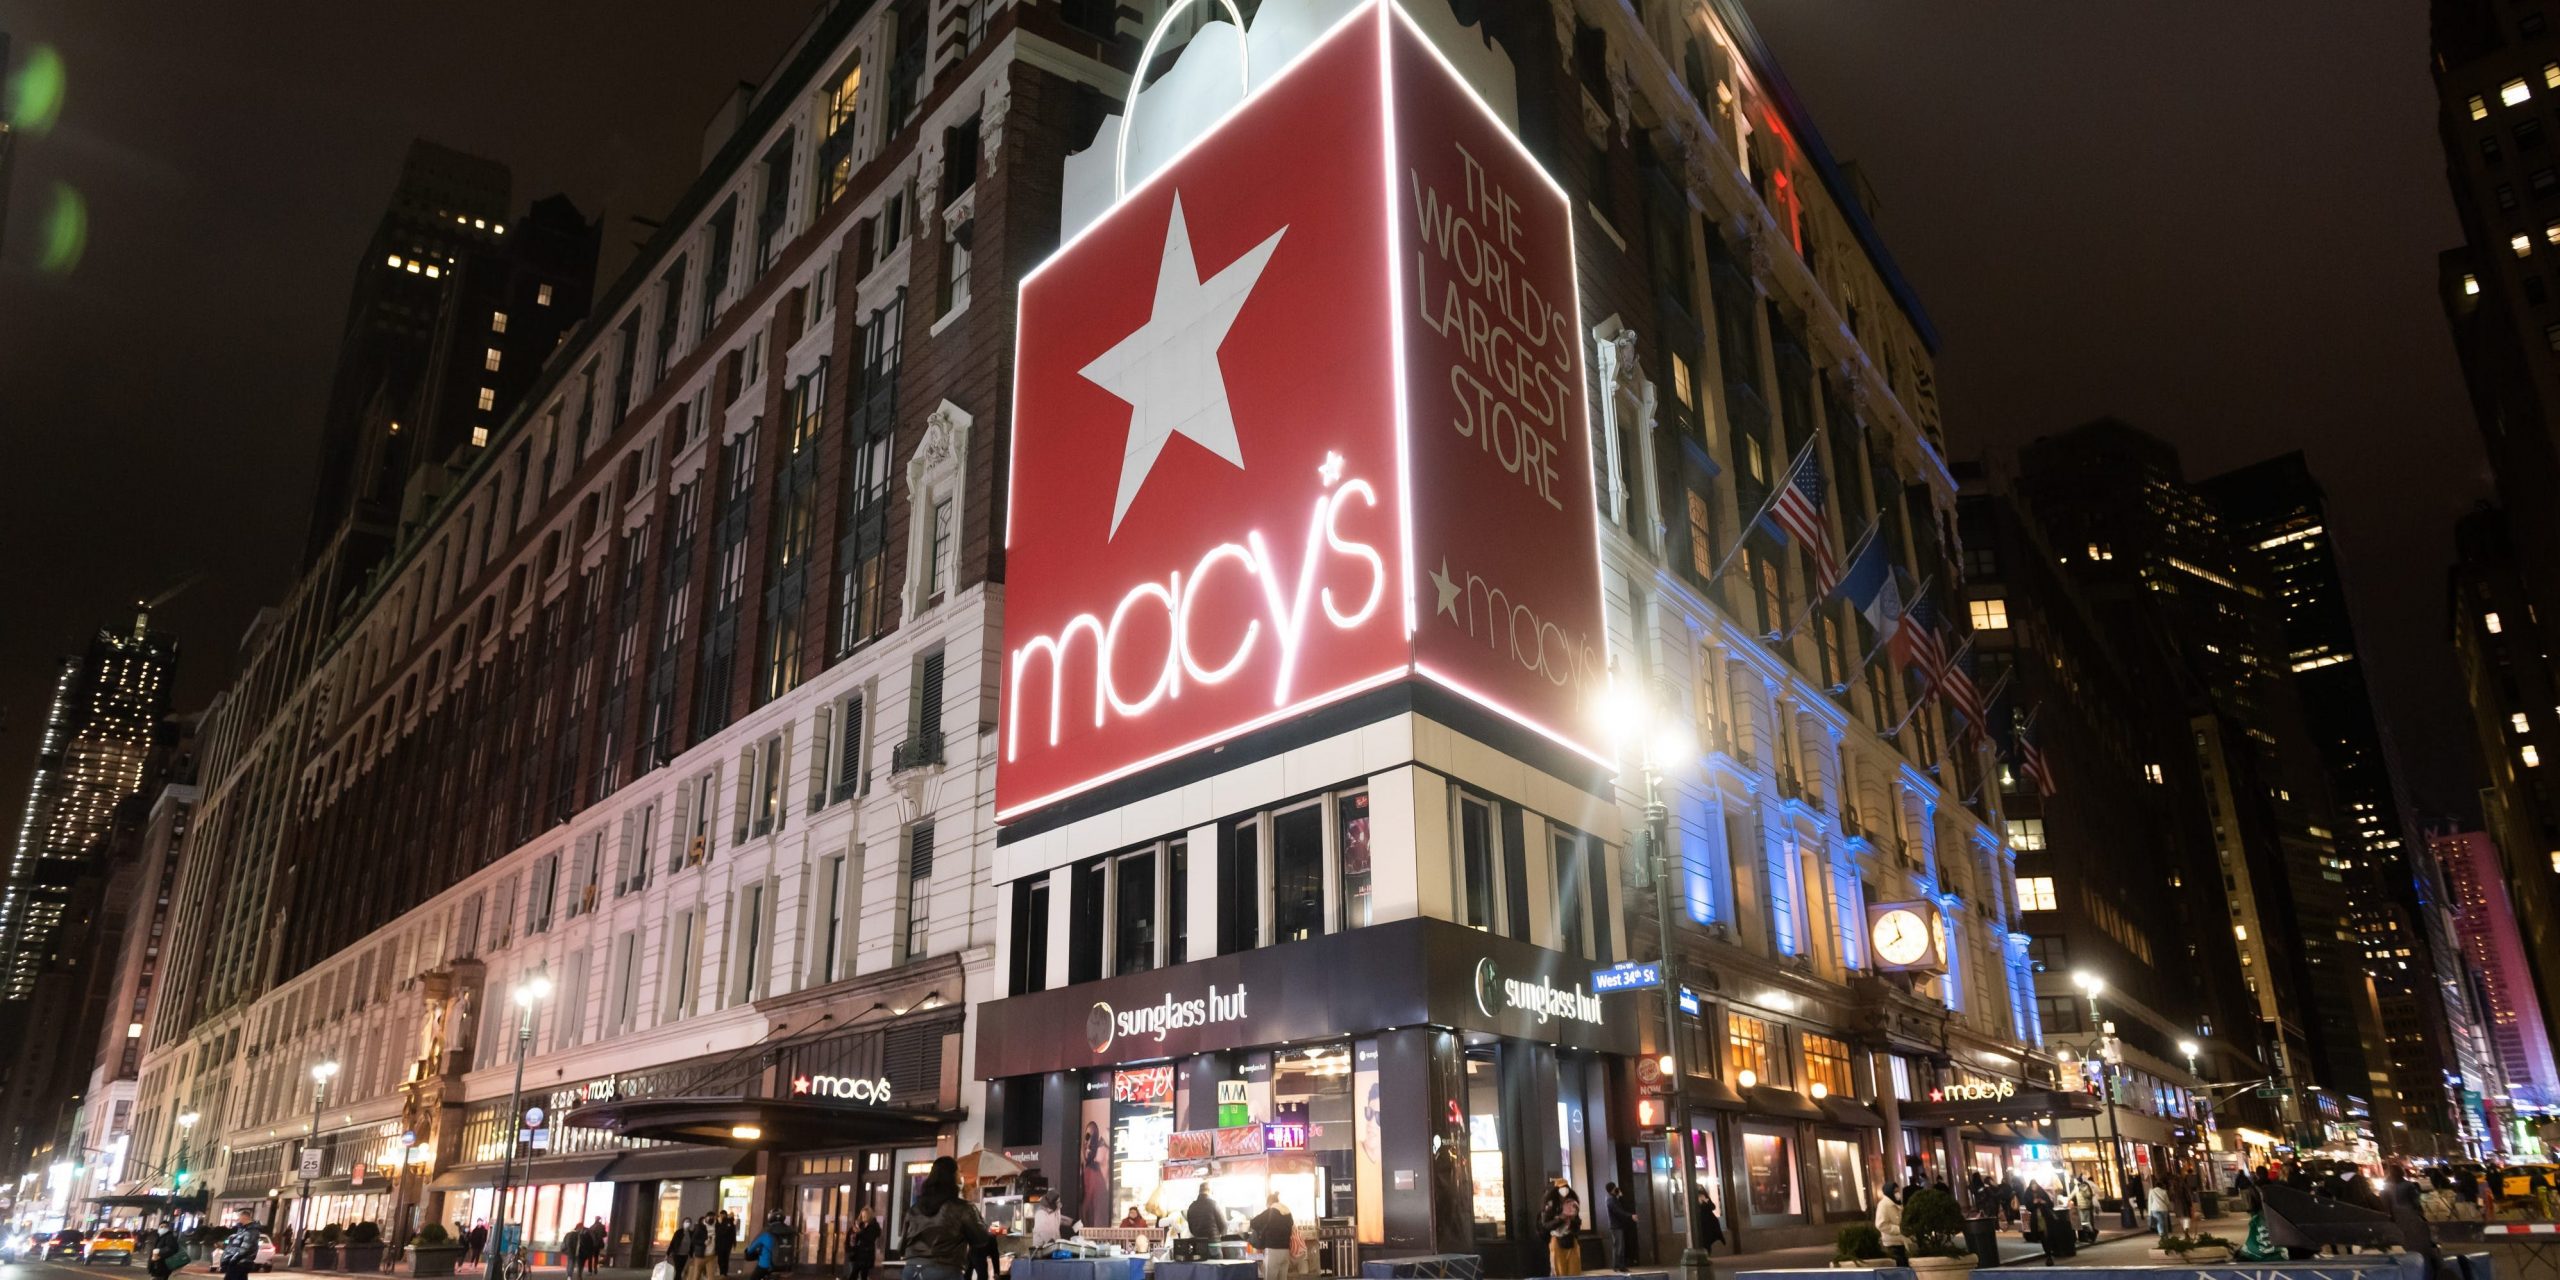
(1302, 416)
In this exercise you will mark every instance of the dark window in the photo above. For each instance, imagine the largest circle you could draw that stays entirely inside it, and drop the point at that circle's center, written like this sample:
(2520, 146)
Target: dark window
(1030, 968)
(2544, 181)
(670, 320)
(1239, 887)
(2528, 133)
(2534, 290)
(849, 762)
(908, 28)
(2506, 196)
(2051, 953)
(920, 851)
(716, 252)
(1476, 861)
(1134, 912)
(1297, 873)
(862, 544)
(929, 697)
(2489, 148)
(1084, 922)
(2060, 1014)
(775, 209)
(2531, 24)
(1178, 902)
(959, 159)
(1570, 900)
(794, 533)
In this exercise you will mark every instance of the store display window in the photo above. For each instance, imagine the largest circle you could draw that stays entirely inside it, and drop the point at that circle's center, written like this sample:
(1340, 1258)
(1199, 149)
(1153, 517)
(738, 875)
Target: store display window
(1769, 1174)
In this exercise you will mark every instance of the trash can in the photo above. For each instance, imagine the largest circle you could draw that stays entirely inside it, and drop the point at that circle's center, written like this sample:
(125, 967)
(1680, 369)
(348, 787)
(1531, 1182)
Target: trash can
(2209, 1203)
(2126, 1215)
(2061, 1240)
(1982, 1236)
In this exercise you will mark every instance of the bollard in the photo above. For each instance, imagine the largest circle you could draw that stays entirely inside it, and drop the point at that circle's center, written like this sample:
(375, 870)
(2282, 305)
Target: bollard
(1697, 1264)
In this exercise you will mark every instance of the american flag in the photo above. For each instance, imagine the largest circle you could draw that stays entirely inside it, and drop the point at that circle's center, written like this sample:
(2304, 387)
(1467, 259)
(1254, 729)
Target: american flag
(1798, 511)
(1917, 647)
(1966, 696)
(2031, 765)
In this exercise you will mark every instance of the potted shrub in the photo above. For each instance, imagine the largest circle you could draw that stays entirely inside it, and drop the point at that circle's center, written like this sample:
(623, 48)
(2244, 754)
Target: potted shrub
(364, 1247)
(2198, 1248)
(1933, 1233)
(1860, 1245)
(433, 1251)
(323, 1248)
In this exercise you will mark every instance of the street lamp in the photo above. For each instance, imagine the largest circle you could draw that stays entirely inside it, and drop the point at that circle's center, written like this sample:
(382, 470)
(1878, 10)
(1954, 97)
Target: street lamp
(2090, 985)
(321, 1074)
(2204, 1092)
(186, 1130)
(528, 994)
(1662, 743)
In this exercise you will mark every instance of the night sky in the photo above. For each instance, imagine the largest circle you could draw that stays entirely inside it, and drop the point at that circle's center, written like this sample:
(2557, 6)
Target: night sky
(2218, 221)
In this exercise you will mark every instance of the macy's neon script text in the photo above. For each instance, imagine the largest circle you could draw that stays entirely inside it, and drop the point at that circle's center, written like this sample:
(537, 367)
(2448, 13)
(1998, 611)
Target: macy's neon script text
(1291, 604)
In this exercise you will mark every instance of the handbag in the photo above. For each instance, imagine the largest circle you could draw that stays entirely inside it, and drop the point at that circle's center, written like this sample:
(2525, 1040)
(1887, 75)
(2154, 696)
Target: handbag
(663, 1271)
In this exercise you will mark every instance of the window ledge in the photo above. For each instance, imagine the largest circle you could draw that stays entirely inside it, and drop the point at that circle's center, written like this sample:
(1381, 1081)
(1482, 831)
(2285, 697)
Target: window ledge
(947, 317)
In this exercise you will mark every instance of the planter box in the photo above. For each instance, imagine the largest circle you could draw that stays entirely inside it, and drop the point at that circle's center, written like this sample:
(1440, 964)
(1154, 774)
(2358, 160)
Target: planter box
(433, 1259)
(1943, 1268)
(324, 1257)
(363, 1257)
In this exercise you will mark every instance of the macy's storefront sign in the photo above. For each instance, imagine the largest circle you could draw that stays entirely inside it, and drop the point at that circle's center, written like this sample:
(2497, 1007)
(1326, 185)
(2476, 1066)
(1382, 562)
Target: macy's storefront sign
(1302, 416)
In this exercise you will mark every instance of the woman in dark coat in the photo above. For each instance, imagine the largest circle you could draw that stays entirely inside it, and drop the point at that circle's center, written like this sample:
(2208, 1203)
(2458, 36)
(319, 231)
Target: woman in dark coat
(1706, 1226)
(862, 1250)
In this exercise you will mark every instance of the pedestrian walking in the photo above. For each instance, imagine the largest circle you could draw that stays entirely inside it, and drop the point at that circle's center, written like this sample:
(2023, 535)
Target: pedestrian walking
(773, 1248)
(1889, 1226)
(1275, 1233)
(1560, 1222)
(862, 1246)
(941, 1228)
(724, 1240)
(1706, 1226)
(240, 1249)
(2157, 1202)
(1622, 1229)
(475, 1242)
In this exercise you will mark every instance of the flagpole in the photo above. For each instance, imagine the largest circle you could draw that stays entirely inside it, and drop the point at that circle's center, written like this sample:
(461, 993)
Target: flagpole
(1883, 640)
(1923, 699)
(1845, 561)
(1803, 456)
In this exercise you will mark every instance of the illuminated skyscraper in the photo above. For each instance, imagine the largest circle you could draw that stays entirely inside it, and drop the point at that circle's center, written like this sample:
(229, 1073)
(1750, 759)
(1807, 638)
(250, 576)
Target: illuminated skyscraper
(107, 705)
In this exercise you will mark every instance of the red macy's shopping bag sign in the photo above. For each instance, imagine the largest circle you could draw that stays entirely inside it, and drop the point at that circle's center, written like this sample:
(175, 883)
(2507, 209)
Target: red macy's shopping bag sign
(1302, 416)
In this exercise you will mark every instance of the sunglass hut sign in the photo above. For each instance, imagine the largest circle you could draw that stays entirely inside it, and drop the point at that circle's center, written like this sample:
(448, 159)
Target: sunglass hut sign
(1302, 416)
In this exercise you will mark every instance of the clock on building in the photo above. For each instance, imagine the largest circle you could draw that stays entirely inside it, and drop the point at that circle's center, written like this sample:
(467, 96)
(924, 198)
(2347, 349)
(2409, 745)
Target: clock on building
(1906, 936)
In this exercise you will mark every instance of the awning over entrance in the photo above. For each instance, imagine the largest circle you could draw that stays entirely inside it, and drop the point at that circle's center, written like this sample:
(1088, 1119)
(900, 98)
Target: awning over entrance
(1707, 1091)
(1770, 1100)
(1849, 1111)
(762, 1124)
(155, 1203)
(667, 1164)
(578, 1168)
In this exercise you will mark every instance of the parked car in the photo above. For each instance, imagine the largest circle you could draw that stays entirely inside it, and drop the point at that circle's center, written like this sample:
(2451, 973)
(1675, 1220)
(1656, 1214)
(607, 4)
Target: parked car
(111, 1245)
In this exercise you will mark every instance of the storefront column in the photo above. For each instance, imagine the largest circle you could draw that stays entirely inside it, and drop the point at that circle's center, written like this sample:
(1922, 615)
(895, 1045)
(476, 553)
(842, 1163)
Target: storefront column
(1061, 1110)
(1199, 1079)
(1423, 1157)
(1530, 1156)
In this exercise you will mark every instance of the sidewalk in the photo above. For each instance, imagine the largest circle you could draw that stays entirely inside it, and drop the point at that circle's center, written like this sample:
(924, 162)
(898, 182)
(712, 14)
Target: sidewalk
(2115, 1245)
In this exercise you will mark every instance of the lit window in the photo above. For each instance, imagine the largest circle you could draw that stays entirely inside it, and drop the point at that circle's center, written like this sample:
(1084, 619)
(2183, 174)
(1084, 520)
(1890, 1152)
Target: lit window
(395, 259)
(2035, 893)
(2532, 756)
(488, 398)
(2479, 107)
(2490, 620)
(2521, 724)
(2555, 861)
(1991, 614)
(479, 437)
(434, 271)
(2026, 835)
(132, 1030)
(2515, 92)
(490, 364)
(500, 229)
(413, 266)
(2471, 286)
(497, 322)
(2240, 931)
(482, 223)
(2151, 774)
(2522, 244)
(542, 295)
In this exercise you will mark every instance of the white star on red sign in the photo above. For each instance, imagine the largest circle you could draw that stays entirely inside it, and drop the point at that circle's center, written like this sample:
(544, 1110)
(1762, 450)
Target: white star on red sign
(1167, 369)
